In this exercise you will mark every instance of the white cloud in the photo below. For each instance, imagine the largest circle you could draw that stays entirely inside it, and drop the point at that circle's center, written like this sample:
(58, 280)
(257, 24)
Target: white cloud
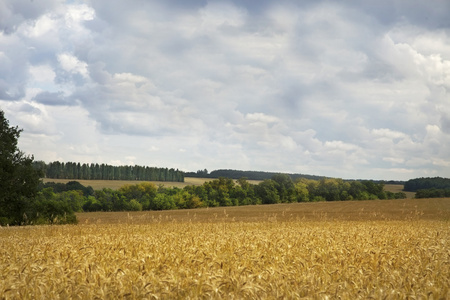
(261, 117)
(340, 146)
(76, 14)
(216, 14)
(42, 73)
(335, 89)
(388, 134)
(72, 64)
(41, 27)
(128, 77)
(394, 160)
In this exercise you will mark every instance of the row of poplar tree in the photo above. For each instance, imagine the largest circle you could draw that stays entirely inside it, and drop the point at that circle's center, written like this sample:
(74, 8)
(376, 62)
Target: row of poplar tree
(72, 170)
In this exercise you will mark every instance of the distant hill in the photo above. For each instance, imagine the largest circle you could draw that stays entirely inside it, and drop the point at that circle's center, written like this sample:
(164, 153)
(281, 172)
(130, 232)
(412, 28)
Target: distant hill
(260, 175)
(250, 175)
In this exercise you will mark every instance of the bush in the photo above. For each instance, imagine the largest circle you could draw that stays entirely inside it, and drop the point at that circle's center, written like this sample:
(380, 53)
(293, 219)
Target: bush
(133, 205)
(53, 212)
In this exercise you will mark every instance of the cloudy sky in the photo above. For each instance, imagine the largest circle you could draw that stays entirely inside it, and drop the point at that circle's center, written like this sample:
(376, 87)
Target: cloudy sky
(349, 89)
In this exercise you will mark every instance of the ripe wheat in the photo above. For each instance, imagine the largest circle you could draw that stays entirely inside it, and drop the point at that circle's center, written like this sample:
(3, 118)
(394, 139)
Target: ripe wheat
(225, 259)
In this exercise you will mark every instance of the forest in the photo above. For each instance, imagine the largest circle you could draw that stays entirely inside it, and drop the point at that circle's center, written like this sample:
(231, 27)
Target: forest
(413, 185)
(429, 187)
(72, 170)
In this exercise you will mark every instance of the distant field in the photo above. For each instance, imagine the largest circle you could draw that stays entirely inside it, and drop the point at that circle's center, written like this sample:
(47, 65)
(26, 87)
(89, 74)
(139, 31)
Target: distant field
(115, 184)
(395, 188)
(402, 209)
(379, 249)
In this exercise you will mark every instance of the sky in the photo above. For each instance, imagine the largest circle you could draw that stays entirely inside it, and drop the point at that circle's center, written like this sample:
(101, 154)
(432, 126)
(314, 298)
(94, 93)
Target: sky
(347, 89)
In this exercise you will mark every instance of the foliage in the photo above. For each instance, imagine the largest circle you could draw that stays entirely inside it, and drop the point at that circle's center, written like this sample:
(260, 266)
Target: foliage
(72, 170)
(433, 193)
(69, 186)
(23, 198)
(416, 184)
(267, 192)
(223, 192)
(250, 175)
(18, 179)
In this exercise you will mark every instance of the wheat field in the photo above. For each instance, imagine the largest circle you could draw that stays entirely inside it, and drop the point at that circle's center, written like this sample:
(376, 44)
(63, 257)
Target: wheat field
(263, 252)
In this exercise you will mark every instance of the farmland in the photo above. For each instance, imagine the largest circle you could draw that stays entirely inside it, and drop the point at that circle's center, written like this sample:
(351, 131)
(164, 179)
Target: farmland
(395, 188)
(115, 184)
(393, 249)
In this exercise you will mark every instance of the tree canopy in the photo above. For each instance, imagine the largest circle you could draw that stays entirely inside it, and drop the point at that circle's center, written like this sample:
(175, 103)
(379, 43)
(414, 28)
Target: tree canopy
(413, 185)
(19, 181)
(250, 175)
(19, 185)
(73, 170)
(218, 192)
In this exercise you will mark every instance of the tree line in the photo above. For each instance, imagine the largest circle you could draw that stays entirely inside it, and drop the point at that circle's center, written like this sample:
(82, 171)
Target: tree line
(413, 185)
(73, 197)
(429, 187)
(250, 175)
(433, 193)
(72, 170)
(261, 175)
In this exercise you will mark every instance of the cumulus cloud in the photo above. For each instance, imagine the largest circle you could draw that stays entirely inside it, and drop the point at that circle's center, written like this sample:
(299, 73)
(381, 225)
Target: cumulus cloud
(15, 12)
(353, 90)
(71, 64)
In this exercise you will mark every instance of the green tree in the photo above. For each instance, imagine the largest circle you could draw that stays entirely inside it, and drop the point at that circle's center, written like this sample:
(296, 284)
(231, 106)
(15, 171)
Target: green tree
(329, 188)
(285, 187)
(162, 202)
(183, 199)
(138, 191)
(244, 192)
(19, 180)
(267, 192)
(356, 189)
(219, 191)
(74, 199)
(133, 205)
(301, 190)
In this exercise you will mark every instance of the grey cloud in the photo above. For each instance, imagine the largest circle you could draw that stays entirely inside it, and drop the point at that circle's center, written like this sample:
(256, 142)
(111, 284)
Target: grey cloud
(426, 14)
(52, 98)
(15, 12)
(445, 123)
(29, 109)
(379, 70)
(98, 74)
(186, 4)
(66, 78)
(7, 93)
(13, 71)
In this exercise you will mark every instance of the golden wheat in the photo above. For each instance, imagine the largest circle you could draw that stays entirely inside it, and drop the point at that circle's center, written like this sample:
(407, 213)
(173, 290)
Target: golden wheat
(232, 260)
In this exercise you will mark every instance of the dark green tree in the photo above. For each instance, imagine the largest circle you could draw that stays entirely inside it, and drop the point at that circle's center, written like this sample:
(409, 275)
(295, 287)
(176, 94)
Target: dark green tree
(267, 192)
(19, 180)
(285, 187)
